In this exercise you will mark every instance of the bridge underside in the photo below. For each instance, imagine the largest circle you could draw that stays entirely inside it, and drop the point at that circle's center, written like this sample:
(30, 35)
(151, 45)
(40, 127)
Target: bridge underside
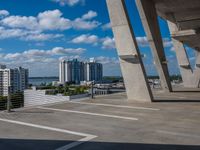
(183, 18)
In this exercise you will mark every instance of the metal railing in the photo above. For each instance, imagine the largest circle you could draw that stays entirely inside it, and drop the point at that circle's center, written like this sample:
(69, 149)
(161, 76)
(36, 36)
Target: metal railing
(11, 101)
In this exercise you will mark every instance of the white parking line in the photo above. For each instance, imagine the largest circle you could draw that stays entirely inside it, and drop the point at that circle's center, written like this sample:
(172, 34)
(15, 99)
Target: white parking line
(88, 113)
(74, 144)
(87, 137)
(117, 106)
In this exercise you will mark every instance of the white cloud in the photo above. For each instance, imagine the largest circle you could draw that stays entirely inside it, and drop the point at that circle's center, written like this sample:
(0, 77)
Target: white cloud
(70, 57)
(86, 38)
(52, 20)
(172, 49)
(33, 28)
(107, 60)
(110, 65)
(20, 22)
(41, 37)
(91, 14)
(85, 23)
(26, 35)
(47, 20)
(40, 62)
(108, 43)
(106, 26)
(30, 28)
(11, 33)
(167, 42)
(64, 51)
(4, 13)
(82, 24)
(35, 54)
(68, 2)
(143, 42)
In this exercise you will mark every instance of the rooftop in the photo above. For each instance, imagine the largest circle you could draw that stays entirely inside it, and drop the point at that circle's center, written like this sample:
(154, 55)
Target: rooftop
(106, 122)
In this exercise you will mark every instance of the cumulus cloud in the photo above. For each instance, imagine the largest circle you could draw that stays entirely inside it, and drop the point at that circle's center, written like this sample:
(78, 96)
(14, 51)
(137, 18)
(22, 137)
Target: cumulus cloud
(53, 20)
(85, 22)
(91, 14)
(20, 22)
(41, 37)
(26, 35)
(167, 42)
(32, 53)
(106, 26)
(86, 38)
(81, 24)
(143, 42)
(68, 2)
(64, 51)
(108, 43)
(3, 13)
(30, 28)
(107, 60)
(40, 62)
(47, 20)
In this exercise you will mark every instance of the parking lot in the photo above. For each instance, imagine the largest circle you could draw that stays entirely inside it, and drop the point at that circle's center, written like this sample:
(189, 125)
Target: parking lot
(104, 123)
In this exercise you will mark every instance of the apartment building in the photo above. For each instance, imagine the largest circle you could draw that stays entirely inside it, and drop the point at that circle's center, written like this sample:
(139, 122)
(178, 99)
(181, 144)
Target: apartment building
(16, 79)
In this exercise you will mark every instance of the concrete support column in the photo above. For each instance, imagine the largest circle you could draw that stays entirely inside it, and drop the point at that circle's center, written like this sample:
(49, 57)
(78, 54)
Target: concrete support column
(149, 19)
(189, 76)
(196, 70)
(132, 67)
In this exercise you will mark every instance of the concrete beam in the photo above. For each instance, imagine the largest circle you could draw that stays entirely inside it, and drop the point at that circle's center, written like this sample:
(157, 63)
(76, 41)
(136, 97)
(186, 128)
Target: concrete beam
(189, 24)
(191, 14)
(182, 58)
(149, 19)
(132, 67)
(188, 37)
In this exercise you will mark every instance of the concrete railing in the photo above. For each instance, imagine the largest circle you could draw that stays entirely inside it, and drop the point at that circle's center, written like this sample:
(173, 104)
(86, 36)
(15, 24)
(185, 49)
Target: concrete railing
(38, 97)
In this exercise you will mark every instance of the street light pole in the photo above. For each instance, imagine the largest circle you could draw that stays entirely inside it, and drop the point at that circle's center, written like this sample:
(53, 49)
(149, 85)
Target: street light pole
(9, 99)
(92, 90)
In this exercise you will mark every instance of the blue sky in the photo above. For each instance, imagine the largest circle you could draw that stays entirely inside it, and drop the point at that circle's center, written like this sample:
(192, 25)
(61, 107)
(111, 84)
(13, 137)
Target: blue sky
(36, 34)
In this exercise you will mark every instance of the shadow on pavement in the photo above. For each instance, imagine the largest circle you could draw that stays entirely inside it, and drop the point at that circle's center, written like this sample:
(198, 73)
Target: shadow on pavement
(32, 144)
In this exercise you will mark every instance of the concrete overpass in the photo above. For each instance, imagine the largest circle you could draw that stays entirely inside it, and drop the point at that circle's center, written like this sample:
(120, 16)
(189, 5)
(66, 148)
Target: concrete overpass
(183, 18)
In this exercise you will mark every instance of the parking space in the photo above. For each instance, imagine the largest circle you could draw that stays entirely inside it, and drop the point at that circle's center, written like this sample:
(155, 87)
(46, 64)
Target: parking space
(109, 122)
(22, 135)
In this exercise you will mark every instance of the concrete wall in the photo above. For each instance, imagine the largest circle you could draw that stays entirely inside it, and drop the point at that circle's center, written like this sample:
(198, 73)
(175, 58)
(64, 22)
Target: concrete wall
(38, 97)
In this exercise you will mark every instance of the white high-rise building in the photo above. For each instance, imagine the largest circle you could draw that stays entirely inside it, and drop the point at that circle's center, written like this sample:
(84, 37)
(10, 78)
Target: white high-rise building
(71, 71)
(76, 71)
(93, 70)
(16, 79)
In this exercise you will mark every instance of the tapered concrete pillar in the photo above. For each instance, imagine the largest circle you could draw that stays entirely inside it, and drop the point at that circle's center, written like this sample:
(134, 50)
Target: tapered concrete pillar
(149, 20)
(196, 70)
(190, 77)
(132, 67)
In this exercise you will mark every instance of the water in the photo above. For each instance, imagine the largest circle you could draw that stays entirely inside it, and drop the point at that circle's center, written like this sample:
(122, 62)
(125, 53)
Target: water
(41, 80)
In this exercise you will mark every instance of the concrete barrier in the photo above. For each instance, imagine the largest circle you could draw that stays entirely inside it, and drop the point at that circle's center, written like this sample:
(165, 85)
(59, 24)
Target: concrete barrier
(34, 97)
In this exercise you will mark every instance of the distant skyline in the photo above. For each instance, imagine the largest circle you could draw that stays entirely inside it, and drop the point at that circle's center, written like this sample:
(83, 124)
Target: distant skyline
(36, 34)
